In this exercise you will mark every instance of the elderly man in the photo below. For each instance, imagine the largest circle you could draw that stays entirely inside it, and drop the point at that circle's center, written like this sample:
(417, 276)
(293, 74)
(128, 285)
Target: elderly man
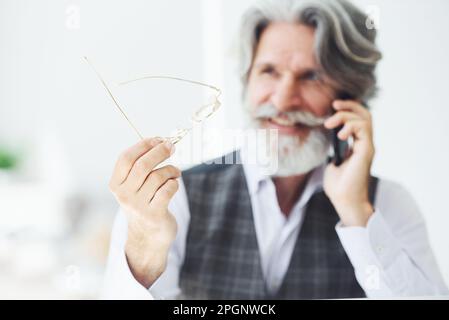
(309, 230)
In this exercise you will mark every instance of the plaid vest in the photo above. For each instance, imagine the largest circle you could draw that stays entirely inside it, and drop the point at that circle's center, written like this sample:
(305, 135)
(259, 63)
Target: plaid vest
(222, 258)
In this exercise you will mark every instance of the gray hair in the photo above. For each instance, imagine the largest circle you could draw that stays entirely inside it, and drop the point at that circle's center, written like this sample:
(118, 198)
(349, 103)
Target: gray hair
(344, 45)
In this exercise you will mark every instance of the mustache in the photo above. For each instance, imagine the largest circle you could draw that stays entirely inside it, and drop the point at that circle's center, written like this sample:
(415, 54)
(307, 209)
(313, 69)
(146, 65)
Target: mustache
(300, 117)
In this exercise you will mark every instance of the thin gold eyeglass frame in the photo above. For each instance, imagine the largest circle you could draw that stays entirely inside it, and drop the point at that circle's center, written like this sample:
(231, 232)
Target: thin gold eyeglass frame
(199, 116)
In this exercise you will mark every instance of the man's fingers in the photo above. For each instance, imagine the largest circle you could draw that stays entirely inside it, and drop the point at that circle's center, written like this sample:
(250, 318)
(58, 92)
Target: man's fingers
(351, 105)
(163, 196)
(340, 118)
(127, 159)
(146, 163)
(156, 179)
(356, 128)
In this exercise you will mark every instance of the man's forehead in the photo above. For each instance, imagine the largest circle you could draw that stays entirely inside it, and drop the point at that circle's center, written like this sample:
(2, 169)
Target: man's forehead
(289, 45)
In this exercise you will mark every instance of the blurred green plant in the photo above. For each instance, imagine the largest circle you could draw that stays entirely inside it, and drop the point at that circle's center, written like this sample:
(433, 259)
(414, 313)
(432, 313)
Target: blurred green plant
(8, 160)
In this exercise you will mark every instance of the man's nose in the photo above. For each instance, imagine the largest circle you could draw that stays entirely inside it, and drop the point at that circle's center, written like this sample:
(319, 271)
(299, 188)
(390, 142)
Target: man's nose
(286, 96)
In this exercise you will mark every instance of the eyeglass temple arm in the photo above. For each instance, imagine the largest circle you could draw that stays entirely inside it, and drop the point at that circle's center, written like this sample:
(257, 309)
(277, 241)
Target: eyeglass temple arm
(175, 139)
(113, 98)
(174, 78)
(178, 137)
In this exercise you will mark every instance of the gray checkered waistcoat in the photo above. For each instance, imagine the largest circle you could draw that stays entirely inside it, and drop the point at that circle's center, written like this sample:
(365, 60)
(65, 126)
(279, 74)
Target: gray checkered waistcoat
(222, 259)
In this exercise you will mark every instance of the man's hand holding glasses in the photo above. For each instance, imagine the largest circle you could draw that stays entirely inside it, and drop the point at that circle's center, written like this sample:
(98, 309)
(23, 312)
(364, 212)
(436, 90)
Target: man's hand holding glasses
(144, 191)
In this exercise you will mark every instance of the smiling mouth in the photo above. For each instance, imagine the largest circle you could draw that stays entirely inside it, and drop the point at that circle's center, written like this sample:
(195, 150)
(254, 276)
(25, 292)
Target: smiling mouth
(286, 123)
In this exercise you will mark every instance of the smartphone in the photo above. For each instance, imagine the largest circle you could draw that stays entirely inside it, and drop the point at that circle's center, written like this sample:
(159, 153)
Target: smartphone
(340, 147)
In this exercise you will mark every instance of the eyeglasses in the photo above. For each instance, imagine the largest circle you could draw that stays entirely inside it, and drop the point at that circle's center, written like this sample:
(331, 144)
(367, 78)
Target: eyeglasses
(200, 115)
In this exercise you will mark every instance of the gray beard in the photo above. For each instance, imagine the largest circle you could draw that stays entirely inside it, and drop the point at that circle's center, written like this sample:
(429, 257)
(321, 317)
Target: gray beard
(294, 155)
(297, 157)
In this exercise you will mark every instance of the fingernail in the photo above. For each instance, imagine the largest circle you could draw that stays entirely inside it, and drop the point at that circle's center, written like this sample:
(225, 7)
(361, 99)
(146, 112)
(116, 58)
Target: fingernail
(170, 146)
(154, 141)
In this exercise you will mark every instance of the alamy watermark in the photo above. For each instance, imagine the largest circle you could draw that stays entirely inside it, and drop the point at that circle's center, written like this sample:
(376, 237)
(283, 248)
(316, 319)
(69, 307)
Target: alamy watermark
(257, 147)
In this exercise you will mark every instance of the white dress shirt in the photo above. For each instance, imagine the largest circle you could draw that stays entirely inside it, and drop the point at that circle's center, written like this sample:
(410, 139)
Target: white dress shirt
(391, 255)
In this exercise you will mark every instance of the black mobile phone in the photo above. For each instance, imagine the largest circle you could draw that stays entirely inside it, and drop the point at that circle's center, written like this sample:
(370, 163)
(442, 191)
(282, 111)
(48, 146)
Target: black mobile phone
(340, 147)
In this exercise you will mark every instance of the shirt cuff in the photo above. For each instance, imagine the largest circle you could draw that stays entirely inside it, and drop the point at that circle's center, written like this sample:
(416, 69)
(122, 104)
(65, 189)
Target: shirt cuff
(121, 284)
(374, 244)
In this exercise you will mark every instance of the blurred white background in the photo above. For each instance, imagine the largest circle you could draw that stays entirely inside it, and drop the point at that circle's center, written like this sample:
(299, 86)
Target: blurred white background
(55, 208)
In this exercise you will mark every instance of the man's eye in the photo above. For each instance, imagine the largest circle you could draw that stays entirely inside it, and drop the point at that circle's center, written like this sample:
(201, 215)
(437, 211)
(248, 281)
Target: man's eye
(312, 76)
(268, 71)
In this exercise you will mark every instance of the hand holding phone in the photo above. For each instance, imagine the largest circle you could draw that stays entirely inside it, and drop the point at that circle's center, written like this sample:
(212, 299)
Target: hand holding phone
(347, 185)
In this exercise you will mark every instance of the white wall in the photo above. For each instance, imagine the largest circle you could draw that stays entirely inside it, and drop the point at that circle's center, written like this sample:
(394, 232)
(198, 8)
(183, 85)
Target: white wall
(410, 114)
(49, 96)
